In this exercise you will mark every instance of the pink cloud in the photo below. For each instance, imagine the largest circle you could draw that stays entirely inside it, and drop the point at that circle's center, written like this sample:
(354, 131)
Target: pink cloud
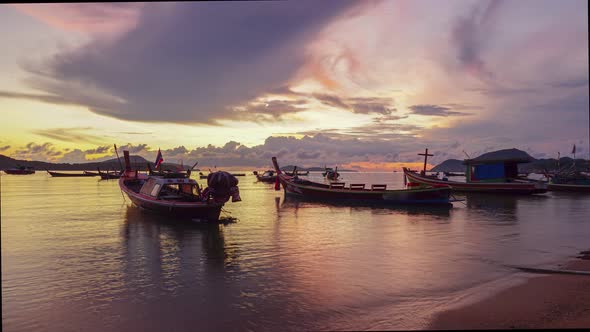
(92, 18)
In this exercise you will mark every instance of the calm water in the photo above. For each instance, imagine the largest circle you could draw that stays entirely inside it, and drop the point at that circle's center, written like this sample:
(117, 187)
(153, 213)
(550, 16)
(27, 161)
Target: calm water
(76, 256)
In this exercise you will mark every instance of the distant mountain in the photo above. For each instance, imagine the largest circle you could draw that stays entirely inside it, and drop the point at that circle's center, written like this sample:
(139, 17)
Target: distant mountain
(450, 165)
(137, 162)
(533, 165)
(311, 169)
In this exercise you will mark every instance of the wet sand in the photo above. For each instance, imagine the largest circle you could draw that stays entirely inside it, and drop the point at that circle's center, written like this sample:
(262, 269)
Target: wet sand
(547, 301)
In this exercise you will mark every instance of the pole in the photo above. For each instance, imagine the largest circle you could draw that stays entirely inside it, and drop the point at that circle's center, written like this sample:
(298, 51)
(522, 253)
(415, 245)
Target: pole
(119, 159)
(426, 155)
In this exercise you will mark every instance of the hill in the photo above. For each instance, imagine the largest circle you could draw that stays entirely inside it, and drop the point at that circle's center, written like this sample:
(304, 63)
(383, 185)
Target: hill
(137, 162)
(450, 165)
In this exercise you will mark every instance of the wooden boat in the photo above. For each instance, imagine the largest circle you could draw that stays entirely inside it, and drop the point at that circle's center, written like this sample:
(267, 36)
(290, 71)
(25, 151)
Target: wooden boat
(109, 175)
(178, 196)
(575, 181)
(238, 174)
(62, 175)
(297, 172)
(91, 173)
(20, 170)
(485, 175)
(268, 176)
(330, 173)
(358, 193)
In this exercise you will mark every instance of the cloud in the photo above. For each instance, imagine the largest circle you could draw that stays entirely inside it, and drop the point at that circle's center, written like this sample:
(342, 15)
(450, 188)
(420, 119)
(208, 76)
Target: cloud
(69, 135)
(434, 110)
(470, 34)
(4, 148)
(95, 18)
(45, 152)
(195, 61)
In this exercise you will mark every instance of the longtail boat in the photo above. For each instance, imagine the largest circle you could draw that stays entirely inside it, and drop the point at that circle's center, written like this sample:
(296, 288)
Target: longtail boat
(268, 176)
(297, 172)
(179, 196)
(62, 175)
(330, 173)
(109, 175)
(358, 193)
(574, 181)
(20, 170)
(91, 173)
(484, 175)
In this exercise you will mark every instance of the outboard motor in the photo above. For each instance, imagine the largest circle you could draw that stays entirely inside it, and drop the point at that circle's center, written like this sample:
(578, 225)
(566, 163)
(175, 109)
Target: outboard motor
(222, 185)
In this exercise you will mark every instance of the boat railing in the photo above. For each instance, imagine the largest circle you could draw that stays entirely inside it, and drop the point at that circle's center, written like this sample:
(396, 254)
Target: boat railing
(337, 185)
(357, 186)
(378, 187)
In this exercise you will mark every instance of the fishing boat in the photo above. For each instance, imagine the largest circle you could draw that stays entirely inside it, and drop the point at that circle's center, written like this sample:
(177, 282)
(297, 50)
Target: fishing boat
(179, 196)
(484, 174)
(356, 192)
(109, 175)
(91, 173)
(297, 172)
(20, 170)
(63, 175)
(330, 173)
(268, 176)
(574, 181)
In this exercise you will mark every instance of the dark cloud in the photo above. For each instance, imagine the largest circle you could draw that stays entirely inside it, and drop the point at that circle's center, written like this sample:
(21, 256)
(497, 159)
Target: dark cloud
(188, 61)
(4, 148)
(331, 100)
(470, 34)
(434, 110)
(271, 110)
(45, 151)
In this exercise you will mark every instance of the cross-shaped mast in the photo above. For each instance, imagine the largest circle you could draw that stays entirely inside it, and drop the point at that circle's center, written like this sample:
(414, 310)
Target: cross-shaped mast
(425, 154)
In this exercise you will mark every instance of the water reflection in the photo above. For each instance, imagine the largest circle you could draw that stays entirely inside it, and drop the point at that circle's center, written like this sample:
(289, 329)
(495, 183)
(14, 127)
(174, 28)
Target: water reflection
(497, 208)
(293, 203)
(166, 253)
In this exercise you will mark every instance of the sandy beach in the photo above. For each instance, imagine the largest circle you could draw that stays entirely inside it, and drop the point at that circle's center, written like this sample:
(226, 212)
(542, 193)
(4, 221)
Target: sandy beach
(547, 301)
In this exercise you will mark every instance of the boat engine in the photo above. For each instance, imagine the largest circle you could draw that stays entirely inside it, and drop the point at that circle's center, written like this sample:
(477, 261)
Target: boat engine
(222, 185)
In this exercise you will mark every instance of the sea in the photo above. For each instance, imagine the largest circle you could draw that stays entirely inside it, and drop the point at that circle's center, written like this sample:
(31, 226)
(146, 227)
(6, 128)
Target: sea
(78, 256)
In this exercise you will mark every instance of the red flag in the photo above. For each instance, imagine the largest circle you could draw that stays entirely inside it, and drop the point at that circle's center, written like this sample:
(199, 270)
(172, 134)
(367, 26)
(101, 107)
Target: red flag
(159, 159)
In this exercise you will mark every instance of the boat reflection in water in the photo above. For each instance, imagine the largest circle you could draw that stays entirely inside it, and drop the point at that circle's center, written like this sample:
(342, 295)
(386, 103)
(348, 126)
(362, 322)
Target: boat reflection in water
(178, 264)
(295, 202)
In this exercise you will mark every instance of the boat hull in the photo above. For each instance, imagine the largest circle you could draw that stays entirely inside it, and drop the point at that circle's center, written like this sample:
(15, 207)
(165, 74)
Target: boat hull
(393, 197)
(18, 172)
(503, 187)
(69, 175)
(194, 210)
(569, 187)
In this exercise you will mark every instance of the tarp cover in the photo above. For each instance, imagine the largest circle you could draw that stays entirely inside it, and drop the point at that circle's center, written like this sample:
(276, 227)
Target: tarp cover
(489, 171)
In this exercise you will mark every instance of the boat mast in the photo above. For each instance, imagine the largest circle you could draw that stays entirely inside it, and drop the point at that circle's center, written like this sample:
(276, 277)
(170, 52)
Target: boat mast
(425, 154)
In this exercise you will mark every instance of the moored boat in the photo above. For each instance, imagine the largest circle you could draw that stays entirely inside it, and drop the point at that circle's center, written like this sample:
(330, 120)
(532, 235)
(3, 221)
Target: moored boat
(358, 193)
(179, 196)
(109, 175)
(268, 176)
(575, 181)
(485, 175)
(61, 175)
(91, 173)
(297, 172)
(20, 170)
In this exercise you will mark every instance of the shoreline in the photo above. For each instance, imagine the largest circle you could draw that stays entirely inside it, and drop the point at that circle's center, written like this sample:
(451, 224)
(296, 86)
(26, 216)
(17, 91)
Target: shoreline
(546, 301)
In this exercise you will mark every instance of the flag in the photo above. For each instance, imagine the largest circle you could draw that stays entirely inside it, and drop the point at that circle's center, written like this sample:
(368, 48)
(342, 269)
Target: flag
(574, 149)
(159, 159)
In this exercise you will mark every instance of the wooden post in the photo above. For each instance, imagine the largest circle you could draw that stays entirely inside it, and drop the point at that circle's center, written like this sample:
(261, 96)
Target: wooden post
(425, 154)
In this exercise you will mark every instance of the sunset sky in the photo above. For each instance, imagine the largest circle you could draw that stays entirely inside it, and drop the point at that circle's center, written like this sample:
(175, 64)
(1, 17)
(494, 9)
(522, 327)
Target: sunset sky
(363, 84)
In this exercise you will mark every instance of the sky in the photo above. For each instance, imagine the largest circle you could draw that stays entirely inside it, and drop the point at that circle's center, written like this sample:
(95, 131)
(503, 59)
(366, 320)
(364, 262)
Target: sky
(356, 84)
